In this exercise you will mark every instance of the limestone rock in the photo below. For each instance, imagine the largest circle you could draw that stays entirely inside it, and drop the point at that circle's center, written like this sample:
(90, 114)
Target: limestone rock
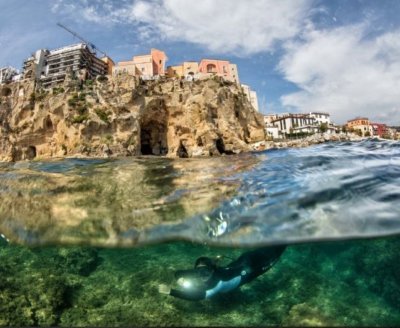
(124, 116)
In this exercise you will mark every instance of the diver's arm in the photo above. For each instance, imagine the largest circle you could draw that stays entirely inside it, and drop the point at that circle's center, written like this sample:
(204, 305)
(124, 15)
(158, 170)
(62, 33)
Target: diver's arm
(189, 295)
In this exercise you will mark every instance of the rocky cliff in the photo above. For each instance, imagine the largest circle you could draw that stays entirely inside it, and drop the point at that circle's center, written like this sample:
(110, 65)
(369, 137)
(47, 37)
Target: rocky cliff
(125, 116)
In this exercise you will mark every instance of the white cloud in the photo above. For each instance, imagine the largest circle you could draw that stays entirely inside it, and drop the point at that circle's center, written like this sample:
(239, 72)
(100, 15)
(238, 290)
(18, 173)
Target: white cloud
(346, 73)
(223, 26)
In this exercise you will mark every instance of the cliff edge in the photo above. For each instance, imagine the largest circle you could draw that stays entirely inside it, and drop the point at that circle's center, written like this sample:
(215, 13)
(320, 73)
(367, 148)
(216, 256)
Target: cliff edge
(125, 116)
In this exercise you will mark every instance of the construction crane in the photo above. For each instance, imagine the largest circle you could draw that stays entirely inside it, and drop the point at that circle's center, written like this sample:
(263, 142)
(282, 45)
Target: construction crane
(91, 46)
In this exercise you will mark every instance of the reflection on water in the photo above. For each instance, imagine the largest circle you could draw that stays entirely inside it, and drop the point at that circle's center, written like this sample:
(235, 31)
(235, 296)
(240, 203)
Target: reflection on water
(106, 202)
(329, 191)
(353, 283)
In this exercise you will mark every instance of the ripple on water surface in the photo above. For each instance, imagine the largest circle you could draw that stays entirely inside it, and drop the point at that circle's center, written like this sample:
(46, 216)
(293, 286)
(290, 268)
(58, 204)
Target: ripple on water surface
(329, 191)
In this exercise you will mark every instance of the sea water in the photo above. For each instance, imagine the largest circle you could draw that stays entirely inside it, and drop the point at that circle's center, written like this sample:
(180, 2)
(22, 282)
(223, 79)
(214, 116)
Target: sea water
(87, 242)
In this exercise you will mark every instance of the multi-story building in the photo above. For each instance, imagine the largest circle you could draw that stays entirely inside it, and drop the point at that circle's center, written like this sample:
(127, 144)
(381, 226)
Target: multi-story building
(51, 67)
(145, 66)
(221, 68)
(206, 67)
(34, 67)
(360, 125)
(186, 69)
(234, 73)
(296, 123)
(251, 96)
(321, 118)
(269, 118)
(110, 64)
(379, 129)
(175, 71)
(7, 74)
(272, 132)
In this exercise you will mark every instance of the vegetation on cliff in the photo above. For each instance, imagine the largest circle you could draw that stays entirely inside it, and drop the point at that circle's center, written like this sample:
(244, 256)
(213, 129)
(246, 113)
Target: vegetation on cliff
(126, 116)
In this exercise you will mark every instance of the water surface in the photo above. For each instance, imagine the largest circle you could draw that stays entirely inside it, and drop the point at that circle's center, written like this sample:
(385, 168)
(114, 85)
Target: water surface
(325, 192)
(336, 205)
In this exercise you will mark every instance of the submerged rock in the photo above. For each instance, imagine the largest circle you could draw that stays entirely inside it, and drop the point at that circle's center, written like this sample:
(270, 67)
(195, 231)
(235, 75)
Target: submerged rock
(124, 116)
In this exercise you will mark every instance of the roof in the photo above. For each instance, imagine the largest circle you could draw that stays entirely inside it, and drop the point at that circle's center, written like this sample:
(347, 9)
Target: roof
(320, 113)
(293, 116)
(358, 118)
(68, 48)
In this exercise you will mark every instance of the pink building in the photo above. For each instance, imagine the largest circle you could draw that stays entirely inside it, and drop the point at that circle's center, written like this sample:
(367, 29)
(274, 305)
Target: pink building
(146, 66)
(219, 67)
(379, 129)
(159, 59)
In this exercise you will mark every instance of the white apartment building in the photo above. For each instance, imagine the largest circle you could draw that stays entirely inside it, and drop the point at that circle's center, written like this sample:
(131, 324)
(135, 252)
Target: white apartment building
(296, 123)
(7, 74)
(321, 117)
(251, 96)
(51, 66)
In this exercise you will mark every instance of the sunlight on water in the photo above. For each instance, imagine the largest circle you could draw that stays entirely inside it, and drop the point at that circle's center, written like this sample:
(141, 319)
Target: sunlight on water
(330, 191)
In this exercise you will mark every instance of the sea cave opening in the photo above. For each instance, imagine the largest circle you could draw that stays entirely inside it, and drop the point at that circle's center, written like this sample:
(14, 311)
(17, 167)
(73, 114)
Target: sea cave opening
(153, 139)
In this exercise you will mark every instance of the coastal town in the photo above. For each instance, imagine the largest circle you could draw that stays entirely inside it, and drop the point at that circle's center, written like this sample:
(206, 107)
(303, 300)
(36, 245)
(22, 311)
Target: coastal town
(50, 69)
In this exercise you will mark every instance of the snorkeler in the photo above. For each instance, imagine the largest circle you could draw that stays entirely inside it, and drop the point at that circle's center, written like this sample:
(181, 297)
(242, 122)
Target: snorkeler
(207, 279)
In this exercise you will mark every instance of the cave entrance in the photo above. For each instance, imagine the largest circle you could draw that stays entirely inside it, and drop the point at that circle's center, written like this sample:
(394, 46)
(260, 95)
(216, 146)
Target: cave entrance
(153, 138)
(31, 152)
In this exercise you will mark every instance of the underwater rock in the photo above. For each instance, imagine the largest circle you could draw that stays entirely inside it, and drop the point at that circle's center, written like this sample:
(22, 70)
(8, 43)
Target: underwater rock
(305, 315)
(77, 260)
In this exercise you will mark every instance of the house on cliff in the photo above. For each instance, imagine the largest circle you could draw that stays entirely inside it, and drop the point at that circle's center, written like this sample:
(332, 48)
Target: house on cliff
(51, 67)
(146, 66)
(7, 74)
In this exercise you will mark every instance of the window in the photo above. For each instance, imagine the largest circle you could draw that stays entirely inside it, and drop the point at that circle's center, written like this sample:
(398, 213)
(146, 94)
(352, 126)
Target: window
(142, 69)
(211, 68)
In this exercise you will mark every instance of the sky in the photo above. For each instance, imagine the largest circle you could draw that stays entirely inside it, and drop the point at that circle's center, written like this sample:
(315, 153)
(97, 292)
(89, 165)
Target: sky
(337, 56)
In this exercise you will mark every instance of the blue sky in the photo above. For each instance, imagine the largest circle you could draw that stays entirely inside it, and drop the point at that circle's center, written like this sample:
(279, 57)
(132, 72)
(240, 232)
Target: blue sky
(338, 56)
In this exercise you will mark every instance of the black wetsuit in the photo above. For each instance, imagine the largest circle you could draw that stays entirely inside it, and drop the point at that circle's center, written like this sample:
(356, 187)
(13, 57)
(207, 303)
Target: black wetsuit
(224, 279)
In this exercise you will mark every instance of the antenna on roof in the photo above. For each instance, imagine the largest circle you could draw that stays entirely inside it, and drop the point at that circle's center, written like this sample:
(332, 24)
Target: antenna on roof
(91, 46)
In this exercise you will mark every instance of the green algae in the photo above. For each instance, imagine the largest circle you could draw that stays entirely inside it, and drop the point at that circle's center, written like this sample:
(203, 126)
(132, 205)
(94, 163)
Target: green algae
(352, 283)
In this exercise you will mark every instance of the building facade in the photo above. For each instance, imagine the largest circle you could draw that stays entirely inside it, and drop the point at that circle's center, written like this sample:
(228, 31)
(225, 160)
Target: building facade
(145, 66)
(223, 68)
(272, 132)
(7, 74)
(34, 67)
(206, 67)
(251, 96)
(360, 125)
(379, 129)
(110, 64)
(185, 70)
(296, 123)
(52, 67)
(321, 118)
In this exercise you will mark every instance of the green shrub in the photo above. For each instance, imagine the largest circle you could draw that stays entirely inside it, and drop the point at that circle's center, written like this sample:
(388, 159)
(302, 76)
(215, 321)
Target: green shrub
(32, 97)
(73, 101)
(57, 91)
(82, 96)
(81, 109)
(102, 115)
(80, 118)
